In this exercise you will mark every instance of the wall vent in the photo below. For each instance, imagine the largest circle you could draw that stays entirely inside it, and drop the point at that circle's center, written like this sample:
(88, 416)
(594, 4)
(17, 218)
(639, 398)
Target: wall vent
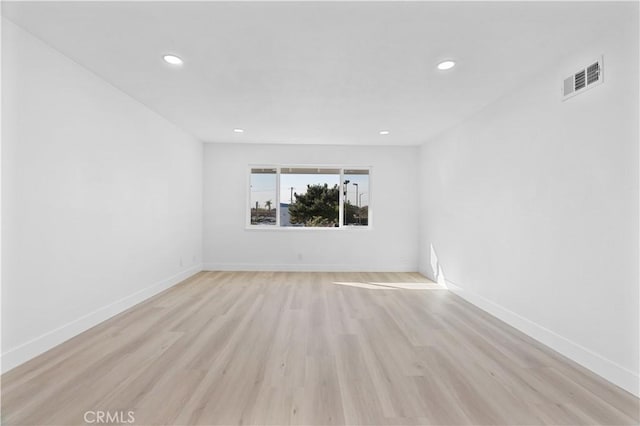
(583, 79)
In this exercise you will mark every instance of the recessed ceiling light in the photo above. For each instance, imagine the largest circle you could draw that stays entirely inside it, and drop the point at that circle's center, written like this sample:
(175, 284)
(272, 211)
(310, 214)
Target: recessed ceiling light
(446, 65)
(384, 132)
(172, 59)
(238, 130)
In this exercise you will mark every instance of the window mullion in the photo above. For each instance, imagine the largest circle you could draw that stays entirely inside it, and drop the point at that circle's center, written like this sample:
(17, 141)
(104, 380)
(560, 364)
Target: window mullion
(277, 196)
(341, 202)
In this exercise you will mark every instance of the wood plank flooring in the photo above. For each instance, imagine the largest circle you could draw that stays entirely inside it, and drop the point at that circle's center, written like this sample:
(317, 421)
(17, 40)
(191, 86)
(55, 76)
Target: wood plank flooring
(278, 348)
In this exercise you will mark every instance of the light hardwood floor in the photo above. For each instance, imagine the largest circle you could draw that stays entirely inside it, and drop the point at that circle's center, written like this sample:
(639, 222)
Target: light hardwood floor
(283, 348)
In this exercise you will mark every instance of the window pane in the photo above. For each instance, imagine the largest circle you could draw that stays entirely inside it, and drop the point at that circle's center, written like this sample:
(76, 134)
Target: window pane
(356, 197)
(309, 197)
(263, 196)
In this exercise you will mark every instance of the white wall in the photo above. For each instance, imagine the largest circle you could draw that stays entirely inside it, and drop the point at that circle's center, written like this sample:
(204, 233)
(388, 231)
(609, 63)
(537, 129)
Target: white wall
(531, 208)
(101, 199)
(391, 244)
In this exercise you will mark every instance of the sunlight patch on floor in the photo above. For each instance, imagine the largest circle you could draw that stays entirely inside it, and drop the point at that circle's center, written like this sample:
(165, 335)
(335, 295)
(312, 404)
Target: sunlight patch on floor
(392, 286)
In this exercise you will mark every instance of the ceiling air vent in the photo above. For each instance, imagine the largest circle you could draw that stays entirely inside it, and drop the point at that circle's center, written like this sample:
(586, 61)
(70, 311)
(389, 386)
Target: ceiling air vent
(583, 79)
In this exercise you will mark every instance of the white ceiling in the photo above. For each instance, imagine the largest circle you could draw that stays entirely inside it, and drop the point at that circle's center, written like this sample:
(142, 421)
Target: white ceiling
(312, 72)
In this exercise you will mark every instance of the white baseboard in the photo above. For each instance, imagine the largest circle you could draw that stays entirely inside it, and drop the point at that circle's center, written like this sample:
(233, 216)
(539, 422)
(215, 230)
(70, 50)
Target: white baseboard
(299, 267)
(34, 347)
(609, 370)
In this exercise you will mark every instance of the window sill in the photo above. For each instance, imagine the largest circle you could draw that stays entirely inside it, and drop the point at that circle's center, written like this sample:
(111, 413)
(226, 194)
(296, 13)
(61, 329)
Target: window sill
(273, 228)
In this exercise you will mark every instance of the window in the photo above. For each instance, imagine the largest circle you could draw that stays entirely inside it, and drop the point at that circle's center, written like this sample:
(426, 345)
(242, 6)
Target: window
(313, 197)
(262, 198)
(356, 198)
(309, 197)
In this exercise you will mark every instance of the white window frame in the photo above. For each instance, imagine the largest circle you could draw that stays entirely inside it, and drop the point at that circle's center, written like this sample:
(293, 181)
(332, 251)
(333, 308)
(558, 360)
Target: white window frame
(278, 228)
